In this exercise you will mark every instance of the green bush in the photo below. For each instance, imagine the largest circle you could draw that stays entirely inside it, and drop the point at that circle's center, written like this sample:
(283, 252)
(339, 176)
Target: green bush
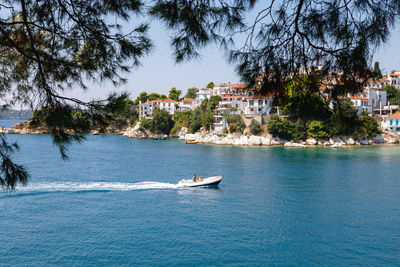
(255, 127)
(207, 119)
(235, 123)
(368, 127)
(147, 124)
(317, 129)
(162, 121)
(285, 129)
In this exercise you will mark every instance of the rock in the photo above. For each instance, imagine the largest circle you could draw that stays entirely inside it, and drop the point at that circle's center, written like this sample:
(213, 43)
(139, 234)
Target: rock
(379, 139)
(255, 140)
(350, 141)
(327, 143)
(364, 142)
(190, 137)
(292, 144)
(311, 141)
(266, 141)
(244, 140)
(331, 141)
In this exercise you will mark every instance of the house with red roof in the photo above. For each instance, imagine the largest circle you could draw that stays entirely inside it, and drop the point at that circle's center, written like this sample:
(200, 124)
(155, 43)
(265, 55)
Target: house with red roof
(258, 105)
(146, 109)
(391, 122)
(187, 104)
(394, 78)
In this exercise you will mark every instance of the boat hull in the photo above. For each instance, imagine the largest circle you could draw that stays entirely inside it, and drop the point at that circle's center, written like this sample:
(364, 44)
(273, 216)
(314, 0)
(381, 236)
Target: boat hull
(206, 182)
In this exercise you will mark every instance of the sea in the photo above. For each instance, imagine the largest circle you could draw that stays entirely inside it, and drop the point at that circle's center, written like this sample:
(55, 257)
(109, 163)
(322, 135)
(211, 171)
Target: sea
(115, 202)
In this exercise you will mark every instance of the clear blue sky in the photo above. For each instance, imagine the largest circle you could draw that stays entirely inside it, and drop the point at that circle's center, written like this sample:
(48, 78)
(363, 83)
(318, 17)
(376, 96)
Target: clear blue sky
(159, 73)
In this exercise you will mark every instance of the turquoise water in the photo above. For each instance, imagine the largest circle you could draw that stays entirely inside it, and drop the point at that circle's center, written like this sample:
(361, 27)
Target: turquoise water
(115, 202)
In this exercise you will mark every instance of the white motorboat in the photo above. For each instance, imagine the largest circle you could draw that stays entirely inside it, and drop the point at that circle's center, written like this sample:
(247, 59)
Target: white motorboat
(209, 181)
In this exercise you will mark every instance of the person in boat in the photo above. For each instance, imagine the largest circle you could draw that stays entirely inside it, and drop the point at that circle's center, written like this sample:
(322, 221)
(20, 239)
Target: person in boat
(194, 178)
(201, 178)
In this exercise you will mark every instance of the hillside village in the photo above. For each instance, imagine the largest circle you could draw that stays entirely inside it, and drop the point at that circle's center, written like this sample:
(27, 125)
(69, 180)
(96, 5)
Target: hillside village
(241, 100)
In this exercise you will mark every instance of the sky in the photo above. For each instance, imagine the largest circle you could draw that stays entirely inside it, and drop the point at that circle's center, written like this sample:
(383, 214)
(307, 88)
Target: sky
(159, 73)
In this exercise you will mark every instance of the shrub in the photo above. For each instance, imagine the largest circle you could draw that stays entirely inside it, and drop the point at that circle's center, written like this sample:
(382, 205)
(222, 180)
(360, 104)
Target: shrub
(368, 127)
(285, 129)
(255, 127)
(235, 123)
(317, 129)
(147, 124)
(207, 119)
(162, 121)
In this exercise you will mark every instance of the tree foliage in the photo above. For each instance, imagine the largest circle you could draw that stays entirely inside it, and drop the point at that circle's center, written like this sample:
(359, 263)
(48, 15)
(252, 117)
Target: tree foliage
(285, 129)
(160, 123)
(235, 123)
(174, 94)
(210, 85)
(377, 70)
(317, 129)
(191, 93)
(255, 127)
(392, 94)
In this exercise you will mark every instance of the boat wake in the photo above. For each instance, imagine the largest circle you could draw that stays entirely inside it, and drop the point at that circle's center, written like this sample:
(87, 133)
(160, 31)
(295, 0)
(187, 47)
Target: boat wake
(91, 186)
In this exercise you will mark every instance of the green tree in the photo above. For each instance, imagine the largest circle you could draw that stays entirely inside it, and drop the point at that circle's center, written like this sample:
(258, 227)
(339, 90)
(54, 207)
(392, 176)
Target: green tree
(300, 102)
(207, 120)
(285, 129)
(235, 123)
(141, 98)
(317, 129)
(377, 70)
(210, 85)
(392, 94)
(255, 127)
(153, 96)
(213, 102)
(162, 121)
(174, 94)
(191, 93)
(344, 119)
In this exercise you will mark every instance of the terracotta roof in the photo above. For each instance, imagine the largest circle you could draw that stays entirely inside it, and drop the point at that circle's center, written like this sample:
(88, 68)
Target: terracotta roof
(394, 74)
(168, 100)
(154, 101)
(239, 86)
(259, 96)
(219, 109)
(358, 97)
(394, 116)
(188, 100)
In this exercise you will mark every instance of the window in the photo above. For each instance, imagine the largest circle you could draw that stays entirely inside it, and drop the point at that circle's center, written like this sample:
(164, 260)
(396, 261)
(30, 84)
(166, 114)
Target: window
(391, 122)
(251, 103)
(397, 122)
(260, 102)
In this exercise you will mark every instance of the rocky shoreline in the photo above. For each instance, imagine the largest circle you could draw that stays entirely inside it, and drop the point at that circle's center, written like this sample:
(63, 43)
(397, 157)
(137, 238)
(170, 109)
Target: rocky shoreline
(269, 140)
(25, 128)
(203, 137)
(236, 139)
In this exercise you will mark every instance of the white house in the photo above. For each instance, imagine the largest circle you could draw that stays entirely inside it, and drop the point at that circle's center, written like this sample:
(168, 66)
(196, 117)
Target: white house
(394, 79)
(392, 122)
(361, 103)
(219, 113)
(202, 94)
(168, 105)
(187, 104)
(146, 109)
(258, 105)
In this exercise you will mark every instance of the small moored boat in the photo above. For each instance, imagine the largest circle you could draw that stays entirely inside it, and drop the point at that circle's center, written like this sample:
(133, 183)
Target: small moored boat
(209, 181)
